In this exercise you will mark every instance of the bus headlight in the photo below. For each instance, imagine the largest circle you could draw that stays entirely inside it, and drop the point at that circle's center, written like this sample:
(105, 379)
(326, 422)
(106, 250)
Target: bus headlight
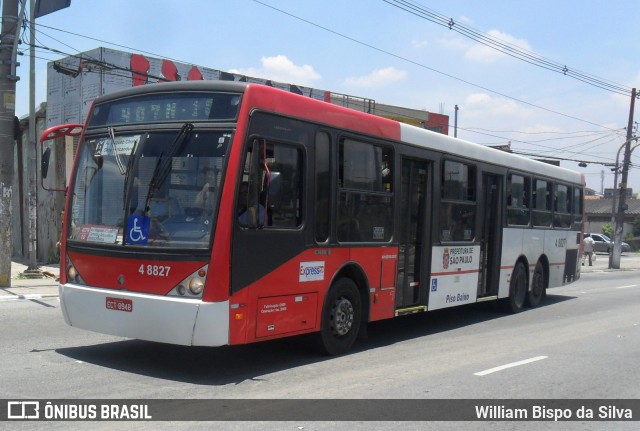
(195, 286)
(192, 286)
(72, 274)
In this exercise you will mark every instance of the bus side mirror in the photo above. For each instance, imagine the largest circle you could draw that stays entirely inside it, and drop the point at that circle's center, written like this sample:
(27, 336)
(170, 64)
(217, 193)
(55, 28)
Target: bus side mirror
(45, 154)
(44, 164)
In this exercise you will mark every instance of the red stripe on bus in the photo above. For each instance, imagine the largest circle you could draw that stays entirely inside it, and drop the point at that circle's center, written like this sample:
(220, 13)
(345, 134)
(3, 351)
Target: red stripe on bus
(438, 274)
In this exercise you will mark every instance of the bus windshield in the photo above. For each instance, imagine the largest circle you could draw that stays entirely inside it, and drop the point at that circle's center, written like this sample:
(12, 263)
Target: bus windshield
(148, 188)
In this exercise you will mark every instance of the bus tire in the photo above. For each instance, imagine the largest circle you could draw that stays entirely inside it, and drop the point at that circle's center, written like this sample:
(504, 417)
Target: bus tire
(517, 289)
(538, 288)
(341, 318)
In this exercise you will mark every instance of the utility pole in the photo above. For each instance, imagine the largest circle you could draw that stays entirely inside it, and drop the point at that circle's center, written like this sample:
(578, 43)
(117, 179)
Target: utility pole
(32, 151)
(622, 206)
(8, 78)
(455, 124)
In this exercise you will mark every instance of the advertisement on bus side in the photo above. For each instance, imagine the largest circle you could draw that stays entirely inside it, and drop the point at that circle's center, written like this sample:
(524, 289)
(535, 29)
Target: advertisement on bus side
(454, 276)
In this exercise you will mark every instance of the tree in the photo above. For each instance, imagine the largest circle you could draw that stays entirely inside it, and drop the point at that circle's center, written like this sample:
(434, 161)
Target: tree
(607, 230)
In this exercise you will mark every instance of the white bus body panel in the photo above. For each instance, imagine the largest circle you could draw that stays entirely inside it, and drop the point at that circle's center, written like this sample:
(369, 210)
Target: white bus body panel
(514, 245)
(532, 244)
(449, 145)
(152, 318)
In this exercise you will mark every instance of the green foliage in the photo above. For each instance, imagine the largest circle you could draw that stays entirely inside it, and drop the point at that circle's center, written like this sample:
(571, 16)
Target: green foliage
(607, 230)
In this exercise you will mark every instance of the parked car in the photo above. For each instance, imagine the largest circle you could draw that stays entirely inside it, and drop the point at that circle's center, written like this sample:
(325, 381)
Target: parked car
(603, 244)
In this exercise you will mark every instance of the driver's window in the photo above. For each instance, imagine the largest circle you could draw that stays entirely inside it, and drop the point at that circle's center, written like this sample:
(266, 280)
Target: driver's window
(270, 191)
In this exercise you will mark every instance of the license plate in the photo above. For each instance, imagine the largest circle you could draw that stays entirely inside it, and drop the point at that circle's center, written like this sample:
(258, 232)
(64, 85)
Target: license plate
(119, 304)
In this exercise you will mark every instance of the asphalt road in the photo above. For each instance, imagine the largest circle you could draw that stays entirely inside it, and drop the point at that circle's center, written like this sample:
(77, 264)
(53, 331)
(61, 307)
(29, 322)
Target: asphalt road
(584, 342)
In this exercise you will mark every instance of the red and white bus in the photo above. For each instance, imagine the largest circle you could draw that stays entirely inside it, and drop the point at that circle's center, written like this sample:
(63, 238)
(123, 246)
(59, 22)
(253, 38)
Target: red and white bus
(215, 213)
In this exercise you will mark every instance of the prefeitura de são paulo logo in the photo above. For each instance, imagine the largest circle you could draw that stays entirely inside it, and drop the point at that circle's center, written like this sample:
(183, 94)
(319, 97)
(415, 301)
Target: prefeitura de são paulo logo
(445, 258)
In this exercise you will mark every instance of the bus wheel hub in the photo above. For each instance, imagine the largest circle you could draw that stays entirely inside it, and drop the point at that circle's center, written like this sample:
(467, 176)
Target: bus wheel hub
(342, 316)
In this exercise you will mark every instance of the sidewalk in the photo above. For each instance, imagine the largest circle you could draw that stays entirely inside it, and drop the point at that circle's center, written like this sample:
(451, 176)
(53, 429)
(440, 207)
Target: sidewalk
(628, 261)
(24, 287)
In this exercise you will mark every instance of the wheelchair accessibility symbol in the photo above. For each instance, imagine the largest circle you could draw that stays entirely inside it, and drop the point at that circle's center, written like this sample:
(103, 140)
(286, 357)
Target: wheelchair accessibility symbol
(138, 229)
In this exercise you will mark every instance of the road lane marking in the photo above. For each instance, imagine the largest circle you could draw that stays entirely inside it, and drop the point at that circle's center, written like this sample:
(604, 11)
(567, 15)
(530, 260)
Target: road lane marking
(624, 287)
(511, 365)
(29, 296)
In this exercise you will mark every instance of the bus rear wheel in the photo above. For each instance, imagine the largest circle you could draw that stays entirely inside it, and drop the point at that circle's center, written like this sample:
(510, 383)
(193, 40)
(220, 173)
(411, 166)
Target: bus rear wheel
(538, 288)
(517, 289)
(341, 317)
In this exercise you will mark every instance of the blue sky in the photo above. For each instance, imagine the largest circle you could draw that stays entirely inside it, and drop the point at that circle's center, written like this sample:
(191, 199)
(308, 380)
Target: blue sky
(373, 49)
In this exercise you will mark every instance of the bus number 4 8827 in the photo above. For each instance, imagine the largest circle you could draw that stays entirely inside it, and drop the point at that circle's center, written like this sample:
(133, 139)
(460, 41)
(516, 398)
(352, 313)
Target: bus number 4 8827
(154, 270)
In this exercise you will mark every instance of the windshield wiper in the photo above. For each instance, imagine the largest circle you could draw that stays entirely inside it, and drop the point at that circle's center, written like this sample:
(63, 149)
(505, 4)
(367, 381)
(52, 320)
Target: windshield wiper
(112, 136)
(130, 167)
(163, 166)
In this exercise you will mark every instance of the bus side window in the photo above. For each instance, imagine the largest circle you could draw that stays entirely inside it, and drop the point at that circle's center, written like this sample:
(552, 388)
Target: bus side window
(562, 206)
(323, 186)
(518, 189)
(542, 194)
(458, 205)
(275, 188)
(365, 181)
(284, 189)
(577, 206)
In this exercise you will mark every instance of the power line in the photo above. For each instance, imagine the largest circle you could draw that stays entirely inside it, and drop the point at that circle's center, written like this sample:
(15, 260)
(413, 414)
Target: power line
(109, 43)
(542, 132)
(506, 47)
(534, 143)
(366, 45)
(612, 135)
(415, 63)
(523, 153)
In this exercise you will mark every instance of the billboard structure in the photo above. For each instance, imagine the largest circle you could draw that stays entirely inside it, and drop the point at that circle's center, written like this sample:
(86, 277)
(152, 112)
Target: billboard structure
(73, 82)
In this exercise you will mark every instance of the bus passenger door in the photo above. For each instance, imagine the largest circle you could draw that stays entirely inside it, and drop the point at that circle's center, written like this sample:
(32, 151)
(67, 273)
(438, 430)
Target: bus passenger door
(413, 231)
(491, 231)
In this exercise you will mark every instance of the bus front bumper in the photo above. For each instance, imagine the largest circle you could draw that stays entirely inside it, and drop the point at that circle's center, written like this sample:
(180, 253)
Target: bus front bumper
(146, 317)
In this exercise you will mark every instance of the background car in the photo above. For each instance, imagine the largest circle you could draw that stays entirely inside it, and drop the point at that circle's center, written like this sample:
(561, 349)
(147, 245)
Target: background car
(603, 243)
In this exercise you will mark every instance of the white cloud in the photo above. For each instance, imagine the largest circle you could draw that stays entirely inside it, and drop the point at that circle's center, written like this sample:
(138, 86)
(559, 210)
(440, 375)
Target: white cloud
(454, 43)
(542, 128)
(486, 54)
(481, 53)
(482, 105)
(280, 68)
(377, 78)
(419, 44)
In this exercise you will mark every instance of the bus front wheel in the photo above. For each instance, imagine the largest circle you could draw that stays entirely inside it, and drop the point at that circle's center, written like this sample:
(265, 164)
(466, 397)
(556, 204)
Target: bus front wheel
(341, 317)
